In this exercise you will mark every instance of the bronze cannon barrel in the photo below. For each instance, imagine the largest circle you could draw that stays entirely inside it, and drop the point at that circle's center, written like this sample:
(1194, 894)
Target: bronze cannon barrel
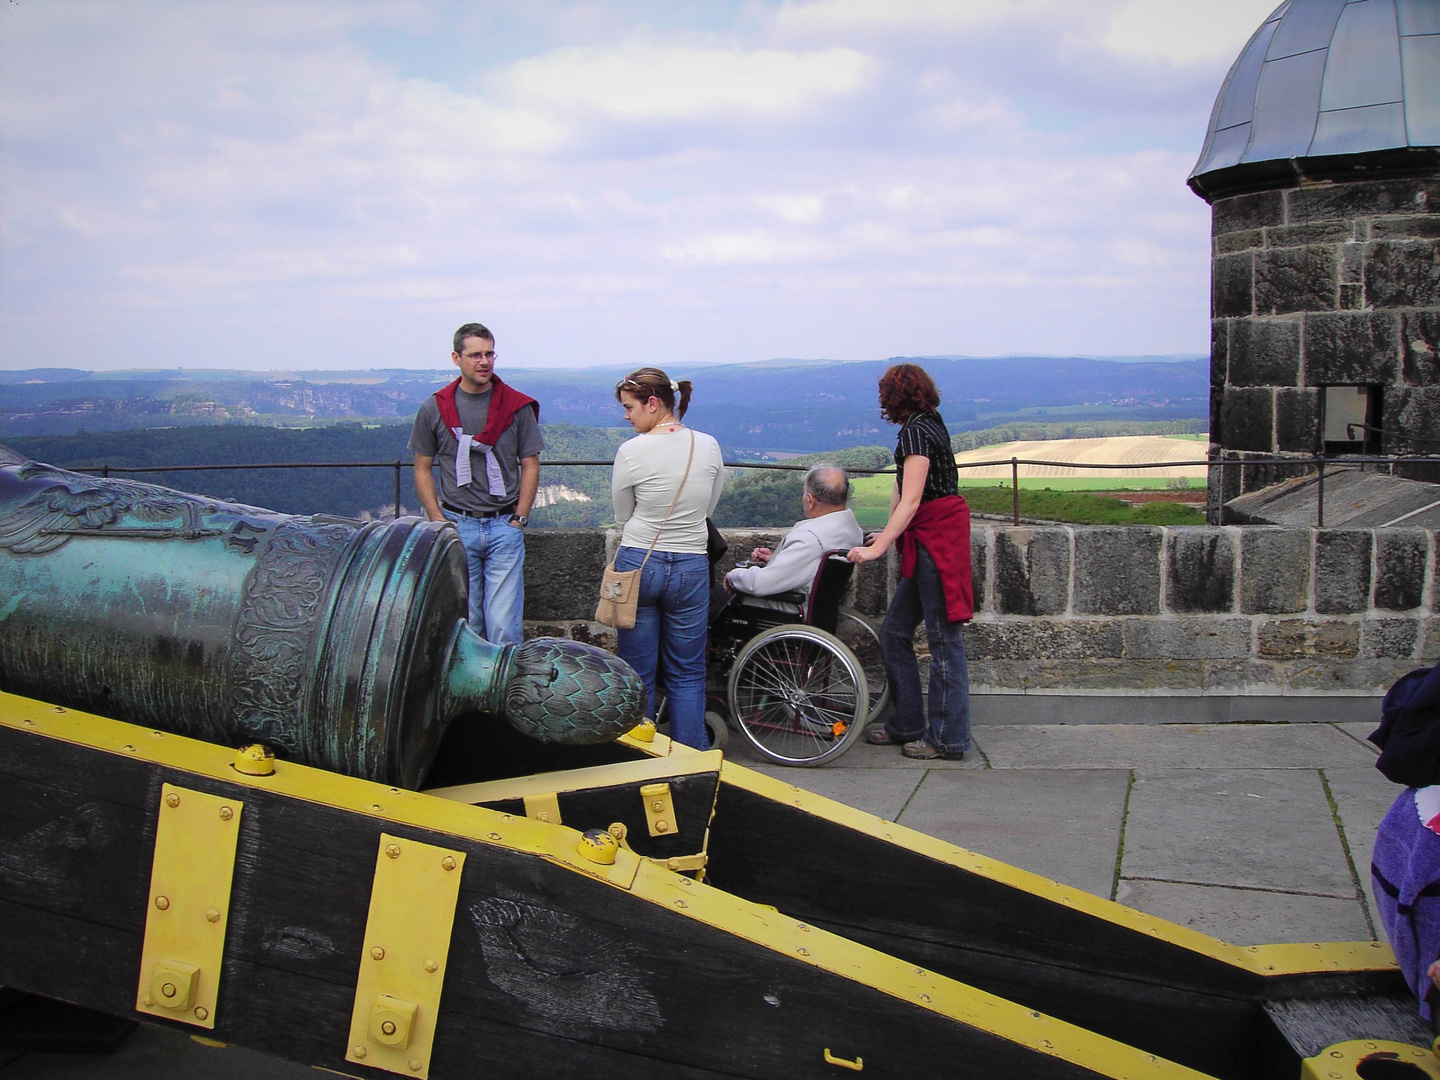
(336, 642)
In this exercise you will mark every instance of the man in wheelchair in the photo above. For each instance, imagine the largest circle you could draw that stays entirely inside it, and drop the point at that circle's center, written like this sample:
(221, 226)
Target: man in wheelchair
(780, 580)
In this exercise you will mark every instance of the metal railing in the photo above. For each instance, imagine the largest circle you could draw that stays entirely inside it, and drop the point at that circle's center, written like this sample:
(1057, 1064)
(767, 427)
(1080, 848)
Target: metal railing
(1319, 462)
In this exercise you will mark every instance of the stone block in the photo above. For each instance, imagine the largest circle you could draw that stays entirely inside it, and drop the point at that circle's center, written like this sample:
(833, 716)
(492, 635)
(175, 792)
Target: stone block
(1420, 347)
(1296, 279)
(1351, 347)
(1413, 227)
(979, 564)
(1247, 419)
(1429, 641)
(1352, 264)
(1219, 353)
(1200, 570)
(1117, 571)
(1365, 676)
(1400, 557)
(1274, 570)
(1264, 352)
(1102, 674)
(562, 573)
(1239, 676)
(1306, 639)
(1361, 198)
(1069, 639)
(1393, 638)
(1412, 419)
(1247, 212)
(1315, 232)
(1032, 571)
(1187, 638)
(1342, 570)
(1297, 420)
(1232, 286)
(868, 592)
(1402, 273)
(1230, 243)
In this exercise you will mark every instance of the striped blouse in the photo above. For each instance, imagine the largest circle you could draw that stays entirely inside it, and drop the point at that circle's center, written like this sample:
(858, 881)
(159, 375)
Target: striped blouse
(925, 433)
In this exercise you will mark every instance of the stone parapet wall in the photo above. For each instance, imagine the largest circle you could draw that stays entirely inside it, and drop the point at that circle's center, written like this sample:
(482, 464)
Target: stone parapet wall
(1134, 610)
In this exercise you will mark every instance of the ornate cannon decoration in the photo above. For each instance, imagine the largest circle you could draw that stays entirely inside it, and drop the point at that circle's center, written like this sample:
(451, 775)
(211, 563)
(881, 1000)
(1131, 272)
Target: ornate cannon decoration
(337, 643)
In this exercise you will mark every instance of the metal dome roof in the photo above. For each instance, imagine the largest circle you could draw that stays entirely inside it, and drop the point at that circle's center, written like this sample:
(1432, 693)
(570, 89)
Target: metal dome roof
(1328, 77)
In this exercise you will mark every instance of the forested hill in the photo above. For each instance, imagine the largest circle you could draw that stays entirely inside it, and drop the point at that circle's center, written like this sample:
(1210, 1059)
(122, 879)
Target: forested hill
(778, 405)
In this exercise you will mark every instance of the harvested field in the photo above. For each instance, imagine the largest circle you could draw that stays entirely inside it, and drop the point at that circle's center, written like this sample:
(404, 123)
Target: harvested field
(1116, 450)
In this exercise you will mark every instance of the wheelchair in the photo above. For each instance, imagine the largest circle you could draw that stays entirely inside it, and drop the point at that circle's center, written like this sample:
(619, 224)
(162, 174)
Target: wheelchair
(800, 684)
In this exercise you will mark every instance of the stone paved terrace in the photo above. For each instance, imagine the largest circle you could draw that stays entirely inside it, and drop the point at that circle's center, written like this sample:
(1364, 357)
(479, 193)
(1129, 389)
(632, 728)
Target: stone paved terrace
(1254, 833)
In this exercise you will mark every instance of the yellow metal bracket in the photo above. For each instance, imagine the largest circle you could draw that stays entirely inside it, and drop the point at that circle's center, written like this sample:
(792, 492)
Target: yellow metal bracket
(659, 808)
(544, 807)
(1343, 1061)
(858, 1065)
(188, 905)
(407, 941)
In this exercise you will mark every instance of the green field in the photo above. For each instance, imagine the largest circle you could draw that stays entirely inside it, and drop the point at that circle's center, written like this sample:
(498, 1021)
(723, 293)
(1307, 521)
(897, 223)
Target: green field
(871, 502)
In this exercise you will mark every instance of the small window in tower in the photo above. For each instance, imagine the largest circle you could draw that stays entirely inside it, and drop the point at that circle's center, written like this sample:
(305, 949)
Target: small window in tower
(1352, 420)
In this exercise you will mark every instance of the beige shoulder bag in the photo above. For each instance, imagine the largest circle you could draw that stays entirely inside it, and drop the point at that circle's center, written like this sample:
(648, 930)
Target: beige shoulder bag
(620, 589)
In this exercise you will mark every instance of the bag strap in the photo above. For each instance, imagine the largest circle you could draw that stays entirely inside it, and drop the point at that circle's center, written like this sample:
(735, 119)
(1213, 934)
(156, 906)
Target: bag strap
(673, 501)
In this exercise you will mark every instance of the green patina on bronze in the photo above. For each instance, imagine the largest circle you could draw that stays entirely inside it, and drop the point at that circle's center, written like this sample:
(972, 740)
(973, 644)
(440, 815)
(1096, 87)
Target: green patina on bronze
(336, 642)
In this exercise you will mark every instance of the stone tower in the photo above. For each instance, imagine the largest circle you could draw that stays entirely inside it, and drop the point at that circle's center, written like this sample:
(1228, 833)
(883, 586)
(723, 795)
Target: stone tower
(1323, 176)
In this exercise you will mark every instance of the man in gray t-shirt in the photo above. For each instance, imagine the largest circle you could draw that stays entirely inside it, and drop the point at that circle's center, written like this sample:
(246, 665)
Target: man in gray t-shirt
(481, 438)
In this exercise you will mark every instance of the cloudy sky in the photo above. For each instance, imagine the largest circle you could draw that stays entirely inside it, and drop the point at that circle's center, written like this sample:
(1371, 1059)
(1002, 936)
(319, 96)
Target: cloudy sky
(340, 183)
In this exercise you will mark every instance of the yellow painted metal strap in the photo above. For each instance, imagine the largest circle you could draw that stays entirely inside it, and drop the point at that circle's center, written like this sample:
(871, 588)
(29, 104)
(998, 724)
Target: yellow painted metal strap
(189, 904)
(407, 941)
(1364, 1059)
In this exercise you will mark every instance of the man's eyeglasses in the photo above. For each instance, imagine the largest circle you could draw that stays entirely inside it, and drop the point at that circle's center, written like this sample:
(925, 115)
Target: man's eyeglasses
(488, 355)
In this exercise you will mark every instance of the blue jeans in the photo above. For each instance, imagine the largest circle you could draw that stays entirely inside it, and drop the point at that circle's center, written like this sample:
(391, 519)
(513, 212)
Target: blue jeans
(495, 552)
(668, 639)
(916, 598)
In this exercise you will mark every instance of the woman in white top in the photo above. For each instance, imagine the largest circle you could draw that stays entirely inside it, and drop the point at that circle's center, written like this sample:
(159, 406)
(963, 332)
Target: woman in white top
(666, 482)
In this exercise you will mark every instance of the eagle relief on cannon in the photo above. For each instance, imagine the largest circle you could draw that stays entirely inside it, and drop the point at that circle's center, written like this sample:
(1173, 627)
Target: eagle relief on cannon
(656, 913)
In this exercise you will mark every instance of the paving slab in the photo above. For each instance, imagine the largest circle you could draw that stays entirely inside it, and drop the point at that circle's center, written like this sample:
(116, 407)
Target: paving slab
(1173, 746)
(1253, 828)
(154, 1052)
(1362, 798)
(1249, 916)
(1063, 825)
(1360, 733)
(882, 792)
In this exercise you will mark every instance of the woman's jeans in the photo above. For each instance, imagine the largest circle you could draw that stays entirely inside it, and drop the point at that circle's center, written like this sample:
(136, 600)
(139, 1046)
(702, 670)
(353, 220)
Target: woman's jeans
(667, 643)
(916, 598)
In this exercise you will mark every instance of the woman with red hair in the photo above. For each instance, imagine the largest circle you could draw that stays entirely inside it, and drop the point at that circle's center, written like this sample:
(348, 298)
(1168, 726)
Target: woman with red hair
(930, 526)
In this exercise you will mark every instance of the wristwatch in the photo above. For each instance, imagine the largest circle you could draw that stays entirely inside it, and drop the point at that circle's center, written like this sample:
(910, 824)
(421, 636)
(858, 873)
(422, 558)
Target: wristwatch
(519, 519)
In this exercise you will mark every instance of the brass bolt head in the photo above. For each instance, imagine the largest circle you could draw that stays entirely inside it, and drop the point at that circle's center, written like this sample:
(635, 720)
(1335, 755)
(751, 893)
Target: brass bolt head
(162, 902)
(169, 990)
(388, 1027)
(392, 851)
(415, 1064)
(359, 1051)
(202, 1013)
(226, 813)
(448, 862)
(377, 953)
(172, 799)
(431, 966)
(657, 806)
(213, 914)
(662, 826)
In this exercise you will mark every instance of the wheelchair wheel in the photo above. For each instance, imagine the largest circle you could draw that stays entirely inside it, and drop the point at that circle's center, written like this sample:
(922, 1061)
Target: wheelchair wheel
(717, 729)
(798, 695)
(863, 639)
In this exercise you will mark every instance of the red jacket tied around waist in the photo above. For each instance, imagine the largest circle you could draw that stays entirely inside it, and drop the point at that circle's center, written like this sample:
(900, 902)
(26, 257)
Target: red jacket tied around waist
(943, 526)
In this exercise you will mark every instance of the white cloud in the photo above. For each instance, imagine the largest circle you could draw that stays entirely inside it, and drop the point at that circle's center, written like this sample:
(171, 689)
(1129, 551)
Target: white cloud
(1183, 32)
(646, 81)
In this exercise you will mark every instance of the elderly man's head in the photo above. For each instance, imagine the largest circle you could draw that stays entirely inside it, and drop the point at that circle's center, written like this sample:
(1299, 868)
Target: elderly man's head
(827, 489)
